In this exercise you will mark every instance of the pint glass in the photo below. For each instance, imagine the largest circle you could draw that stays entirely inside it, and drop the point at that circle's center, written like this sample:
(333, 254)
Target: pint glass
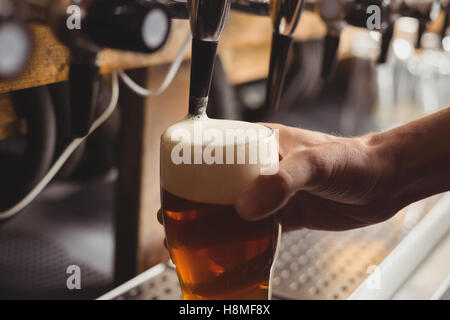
(205, 165)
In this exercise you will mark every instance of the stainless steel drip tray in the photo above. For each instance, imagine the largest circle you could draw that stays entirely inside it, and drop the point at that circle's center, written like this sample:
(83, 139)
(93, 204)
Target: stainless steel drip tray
(366, 263)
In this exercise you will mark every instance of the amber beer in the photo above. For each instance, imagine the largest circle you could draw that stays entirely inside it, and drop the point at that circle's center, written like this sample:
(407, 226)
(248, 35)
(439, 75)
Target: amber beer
(217, 254)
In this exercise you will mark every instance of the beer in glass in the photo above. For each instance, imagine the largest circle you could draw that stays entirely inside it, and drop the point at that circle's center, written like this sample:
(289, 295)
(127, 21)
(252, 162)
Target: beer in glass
(205, 165)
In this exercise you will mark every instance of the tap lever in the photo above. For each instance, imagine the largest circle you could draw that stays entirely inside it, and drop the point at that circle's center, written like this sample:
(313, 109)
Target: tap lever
(386, 38)
(285, 17)
(330, 53)
(281, 46)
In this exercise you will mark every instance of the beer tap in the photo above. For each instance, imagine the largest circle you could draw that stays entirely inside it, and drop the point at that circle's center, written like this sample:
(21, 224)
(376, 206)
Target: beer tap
(339, 13)
(332, 13)
(15, 44)
(285, 17)
(207, 19)
(423, 10)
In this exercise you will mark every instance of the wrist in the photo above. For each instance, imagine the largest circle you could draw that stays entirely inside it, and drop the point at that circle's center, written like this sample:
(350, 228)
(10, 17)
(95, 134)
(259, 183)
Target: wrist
(385, 163)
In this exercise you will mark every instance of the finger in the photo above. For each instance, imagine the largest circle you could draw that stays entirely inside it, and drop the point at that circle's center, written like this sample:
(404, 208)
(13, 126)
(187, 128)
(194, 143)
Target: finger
(287, 140)
(269, 193)
(159, 216)
(296, 138)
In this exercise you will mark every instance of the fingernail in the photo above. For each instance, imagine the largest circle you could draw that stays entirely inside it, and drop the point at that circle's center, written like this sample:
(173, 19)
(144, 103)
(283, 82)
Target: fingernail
(262, 199)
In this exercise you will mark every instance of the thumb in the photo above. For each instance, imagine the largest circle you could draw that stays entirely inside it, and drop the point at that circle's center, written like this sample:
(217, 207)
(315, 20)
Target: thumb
(271, 192)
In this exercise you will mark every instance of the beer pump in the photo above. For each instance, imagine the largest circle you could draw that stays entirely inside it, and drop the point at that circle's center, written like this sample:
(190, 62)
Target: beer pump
(338, 13)
(285, 17)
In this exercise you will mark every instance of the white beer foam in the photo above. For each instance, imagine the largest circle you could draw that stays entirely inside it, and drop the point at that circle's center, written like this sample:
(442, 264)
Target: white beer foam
(215, 183)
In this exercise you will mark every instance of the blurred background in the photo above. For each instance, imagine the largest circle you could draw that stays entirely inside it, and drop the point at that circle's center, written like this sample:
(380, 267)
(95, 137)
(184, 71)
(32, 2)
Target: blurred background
(99, 212)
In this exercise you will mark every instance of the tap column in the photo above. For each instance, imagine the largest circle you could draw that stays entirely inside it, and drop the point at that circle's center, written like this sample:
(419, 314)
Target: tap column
(207, 19)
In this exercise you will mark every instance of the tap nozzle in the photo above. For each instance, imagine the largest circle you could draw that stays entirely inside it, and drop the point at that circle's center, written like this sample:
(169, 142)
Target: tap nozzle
(207, 19)
(285, 17)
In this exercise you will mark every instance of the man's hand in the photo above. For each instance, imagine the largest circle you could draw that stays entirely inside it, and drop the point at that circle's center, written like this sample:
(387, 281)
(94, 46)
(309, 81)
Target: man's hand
(331, 183)
(324, 182)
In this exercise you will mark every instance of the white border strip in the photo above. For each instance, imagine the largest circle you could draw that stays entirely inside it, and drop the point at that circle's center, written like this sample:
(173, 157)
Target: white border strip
(442, 289)
(402, 261)
(136, 281)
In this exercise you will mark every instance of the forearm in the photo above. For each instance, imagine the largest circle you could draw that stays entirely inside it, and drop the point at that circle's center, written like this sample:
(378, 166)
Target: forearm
(415, 157)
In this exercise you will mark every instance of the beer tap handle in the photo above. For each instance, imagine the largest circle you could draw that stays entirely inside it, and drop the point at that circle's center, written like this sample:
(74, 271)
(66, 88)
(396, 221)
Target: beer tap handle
(281, 46)
(386, 38)
(331, 47)
(420, 32)
(333, 13)
(285, 17)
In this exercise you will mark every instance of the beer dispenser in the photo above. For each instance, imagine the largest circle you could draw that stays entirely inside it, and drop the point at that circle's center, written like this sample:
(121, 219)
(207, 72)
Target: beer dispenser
(338, 13)
(207, 22)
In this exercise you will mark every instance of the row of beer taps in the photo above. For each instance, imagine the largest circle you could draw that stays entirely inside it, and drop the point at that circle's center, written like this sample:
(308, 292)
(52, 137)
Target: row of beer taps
(144, 26)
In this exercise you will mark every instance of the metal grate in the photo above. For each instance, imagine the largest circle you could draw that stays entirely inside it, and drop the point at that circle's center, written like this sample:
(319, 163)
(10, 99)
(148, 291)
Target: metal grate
(36, 268)
(165, 286)
(310, 264)
(331, 265)
(325, 265)
(157, 283)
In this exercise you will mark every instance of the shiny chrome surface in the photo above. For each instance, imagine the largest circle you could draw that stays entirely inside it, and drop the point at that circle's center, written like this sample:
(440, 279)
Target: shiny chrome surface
(207, 18)
(257, 7)
(285, 15)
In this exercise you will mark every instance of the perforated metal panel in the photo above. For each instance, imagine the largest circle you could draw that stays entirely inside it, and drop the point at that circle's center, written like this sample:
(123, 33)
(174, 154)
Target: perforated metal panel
(310, 264)
(164, 286)
(331, 265)
(326, 265)
(37, 266)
